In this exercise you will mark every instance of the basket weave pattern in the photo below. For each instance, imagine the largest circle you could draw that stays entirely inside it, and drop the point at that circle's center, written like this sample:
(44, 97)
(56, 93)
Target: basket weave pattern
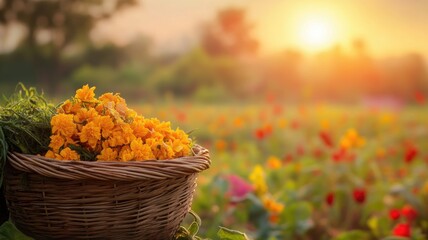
(52, 199)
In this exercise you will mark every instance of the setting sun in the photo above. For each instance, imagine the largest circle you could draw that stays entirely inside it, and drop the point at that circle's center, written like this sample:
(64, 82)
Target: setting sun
(316, 33)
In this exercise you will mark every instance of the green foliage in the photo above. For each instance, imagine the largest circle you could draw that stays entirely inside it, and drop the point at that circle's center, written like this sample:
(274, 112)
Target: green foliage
(25, 123)
(8, 231)
(190, 232)
(228, 234)
(197, 70)
(354, 235)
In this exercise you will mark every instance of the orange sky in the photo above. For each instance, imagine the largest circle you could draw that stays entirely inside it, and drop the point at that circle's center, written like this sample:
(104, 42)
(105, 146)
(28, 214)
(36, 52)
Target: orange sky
(389, 27)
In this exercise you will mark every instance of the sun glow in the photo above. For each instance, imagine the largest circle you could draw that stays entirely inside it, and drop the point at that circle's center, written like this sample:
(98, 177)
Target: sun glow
(316, 32)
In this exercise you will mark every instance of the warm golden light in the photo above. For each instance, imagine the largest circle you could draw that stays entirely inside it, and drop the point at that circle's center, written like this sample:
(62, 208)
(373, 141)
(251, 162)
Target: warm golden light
(316, 32)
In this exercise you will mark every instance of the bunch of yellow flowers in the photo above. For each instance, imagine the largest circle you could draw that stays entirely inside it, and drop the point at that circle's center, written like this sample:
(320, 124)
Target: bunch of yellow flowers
(104, 128)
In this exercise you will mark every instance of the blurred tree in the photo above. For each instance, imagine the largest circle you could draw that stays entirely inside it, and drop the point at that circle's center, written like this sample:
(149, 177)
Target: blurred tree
(197, 71)
(229, 34)
(52, 27)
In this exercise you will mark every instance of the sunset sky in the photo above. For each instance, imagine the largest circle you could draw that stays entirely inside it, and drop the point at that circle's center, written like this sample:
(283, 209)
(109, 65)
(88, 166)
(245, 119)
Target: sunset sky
(389, 27)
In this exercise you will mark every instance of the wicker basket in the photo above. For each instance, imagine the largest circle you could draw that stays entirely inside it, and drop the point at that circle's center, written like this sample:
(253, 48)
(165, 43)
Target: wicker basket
(51, 199)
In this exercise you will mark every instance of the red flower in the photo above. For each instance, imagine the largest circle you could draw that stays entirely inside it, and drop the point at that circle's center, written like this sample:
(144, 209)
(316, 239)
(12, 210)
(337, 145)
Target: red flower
(394, 214)
(263, 132)
(420, 98)
(326, 138)
(410, 154)
(359, 195)
(409, 213)
(260, 134)
(329, 199)
(339, 155)
(401, 230)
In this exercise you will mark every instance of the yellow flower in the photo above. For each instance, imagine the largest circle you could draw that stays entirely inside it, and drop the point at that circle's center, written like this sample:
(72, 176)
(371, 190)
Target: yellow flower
(126, 154)
(257, 178)
(63, 124)
(68, 154)
(273, 162)
(107, 154)
(56, 143)
(91, 133)
(352, 139)
(85, 94)
(141, 151)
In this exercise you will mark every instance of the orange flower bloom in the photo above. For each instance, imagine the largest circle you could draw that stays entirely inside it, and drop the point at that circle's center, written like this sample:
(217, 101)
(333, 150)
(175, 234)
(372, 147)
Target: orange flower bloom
(141, 151)
(85, 115)
(273, 162)
(126, 154)
(91, 134)
(68, 154)
(106, 125)
(85, 94)
(63, 124)
(111, 131)
(139, 129)
(107, 154)
(56, 143)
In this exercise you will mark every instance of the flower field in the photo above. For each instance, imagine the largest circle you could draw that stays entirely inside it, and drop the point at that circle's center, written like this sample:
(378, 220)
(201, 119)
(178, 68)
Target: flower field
(311, 171)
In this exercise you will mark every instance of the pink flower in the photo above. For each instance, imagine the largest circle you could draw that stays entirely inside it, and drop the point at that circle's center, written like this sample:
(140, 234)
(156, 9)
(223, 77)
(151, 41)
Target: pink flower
(238, 187)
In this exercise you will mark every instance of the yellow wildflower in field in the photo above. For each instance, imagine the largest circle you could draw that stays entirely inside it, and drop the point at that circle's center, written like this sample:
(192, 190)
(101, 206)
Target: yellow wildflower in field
(257, 178)
(352, 140)
(273, 162)
(106, 129)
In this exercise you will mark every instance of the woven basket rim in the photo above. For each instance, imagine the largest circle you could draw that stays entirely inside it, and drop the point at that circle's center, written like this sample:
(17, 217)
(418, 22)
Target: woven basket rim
(112, 170)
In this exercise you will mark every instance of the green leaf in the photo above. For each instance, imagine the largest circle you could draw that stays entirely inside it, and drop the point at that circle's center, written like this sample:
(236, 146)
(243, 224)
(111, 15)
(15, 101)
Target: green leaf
(9, 232)
(182, 234)
(228, 234)
(196, 218)
(194, 228)
(353, 235)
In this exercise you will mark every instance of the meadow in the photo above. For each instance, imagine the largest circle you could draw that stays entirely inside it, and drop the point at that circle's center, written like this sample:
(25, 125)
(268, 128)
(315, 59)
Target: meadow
(309, 171)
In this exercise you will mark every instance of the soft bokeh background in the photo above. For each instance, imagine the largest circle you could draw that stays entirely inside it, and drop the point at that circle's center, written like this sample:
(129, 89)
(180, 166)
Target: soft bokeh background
(314, 112)
(348, 51)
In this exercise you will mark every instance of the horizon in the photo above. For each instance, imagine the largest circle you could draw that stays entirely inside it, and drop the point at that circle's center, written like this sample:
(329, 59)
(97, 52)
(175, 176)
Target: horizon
(277, 24)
